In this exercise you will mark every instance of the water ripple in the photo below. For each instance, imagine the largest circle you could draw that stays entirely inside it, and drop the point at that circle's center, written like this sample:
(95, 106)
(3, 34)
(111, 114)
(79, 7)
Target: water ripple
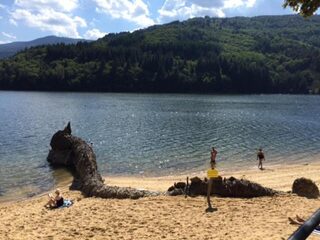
(134, 134)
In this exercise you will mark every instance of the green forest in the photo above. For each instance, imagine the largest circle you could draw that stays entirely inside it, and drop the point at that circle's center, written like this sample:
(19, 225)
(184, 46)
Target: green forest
(267, 54)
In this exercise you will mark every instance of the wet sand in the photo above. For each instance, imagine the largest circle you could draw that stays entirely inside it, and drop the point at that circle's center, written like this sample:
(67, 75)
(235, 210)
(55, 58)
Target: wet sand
(166, 217)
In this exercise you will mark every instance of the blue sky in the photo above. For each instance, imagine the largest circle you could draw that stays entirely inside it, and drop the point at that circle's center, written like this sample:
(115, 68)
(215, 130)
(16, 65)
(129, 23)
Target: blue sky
(23, 20)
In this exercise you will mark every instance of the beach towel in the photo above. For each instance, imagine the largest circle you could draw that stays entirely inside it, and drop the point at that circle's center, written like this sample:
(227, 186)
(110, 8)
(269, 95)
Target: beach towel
(66, 203)
(316, 232)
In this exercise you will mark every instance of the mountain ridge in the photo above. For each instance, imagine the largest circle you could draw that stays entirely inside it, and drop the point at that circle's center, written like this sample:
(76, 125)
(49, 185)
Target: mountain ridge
(9, 49)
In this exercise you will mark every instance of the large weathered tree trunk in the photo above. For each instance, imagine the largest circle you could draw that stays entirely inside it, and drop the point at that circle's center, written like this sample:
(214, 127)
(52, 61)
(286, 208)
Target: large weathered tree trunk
(71, 151)
(230, 187)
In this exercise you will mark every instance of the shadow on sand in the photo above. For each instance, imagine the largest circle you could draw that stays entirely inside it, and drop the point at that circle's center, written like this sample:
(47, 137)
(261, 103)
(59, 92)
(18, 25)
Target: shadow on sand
(211, 209)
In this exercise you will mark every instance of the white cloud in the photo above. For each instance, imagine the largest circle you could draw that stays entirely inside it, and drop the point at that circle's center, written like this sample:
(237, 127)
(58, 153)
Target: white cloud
(13, 22)
(135, 11)
(180, 9)
(2, 6)
(58, 23)
(94, 34)
(54, 16)
(250, 3)
(238, 3)
(183, 9)
(4, 42)
(8, 35)
(58, 5)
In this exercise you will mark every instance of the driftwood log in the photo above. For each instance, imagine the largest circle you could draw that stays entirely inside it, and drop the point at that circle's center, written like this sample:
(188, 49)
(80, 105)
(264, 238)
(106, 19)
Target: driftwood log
(224, 187)
(71, 151)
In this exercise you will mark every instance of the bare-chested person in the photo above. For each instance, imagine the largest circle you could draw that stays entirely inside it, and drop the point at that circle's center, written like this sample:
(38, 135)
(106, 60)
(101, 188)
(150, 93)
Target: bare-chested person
(213, 154)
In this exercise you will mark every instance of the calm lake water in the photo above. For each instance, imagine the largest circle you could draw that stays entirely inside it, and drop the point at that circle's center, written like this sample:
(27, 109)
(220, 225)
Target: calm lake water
(151, 134)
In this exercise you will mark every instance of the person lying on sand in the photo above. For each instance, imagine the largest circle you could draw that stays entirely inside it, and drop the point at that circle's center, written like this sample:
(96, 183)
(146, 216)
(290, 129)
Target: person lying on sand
(300, 221)
(55, 201)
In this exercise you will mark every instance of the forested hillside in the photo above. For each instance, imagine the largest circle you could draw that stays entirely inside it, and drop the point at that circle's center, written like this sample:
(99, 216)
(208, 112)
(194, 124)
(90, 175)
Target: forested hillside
(267, 54)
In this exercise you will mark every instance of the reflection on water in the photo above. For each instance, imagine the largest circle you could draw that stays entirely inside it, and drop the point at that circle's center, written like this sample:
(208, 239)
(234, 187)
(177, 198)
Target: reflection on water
(152, 134)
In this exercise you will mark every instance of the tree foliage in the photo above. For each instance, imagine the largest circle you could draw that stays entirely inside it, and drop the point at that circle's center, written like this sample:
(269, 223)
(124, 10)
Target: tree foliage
(305, 7)
(235, 55)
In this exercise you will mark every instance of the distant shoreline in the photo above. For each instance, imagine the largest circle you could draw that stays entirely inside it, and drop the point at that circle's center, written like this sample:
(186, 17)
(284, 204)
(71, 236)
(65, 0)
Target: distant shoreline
(160, 93)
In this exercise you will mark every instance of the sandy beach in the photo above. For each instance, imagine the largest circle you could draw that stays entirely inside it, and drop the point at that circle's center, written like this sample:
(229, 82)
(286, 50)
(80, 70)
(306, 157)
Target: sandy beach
(166, 217)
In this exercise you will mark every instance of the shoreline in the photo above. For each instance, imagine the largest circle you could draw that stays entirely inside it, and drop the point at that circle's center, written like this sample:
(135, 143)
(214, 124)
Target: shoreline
(287, 172)
(166, 217)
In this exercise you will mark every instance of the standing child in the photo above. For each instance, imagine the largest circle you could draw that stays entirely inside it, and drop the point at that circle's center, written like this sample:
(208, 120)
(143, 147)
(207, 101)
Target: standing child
(260, 157)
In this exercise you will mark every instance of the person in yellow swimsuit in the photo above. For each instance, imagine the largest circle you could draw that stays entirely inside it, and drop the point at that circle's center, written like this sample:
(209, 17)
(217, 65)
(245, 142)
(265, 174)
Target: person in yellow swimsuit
(212, 173)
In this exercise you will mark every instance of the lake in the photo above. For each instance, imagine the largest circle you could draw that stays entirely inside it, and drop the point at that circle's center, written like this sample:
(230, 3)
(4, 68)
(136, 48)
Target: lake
(152, 134)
